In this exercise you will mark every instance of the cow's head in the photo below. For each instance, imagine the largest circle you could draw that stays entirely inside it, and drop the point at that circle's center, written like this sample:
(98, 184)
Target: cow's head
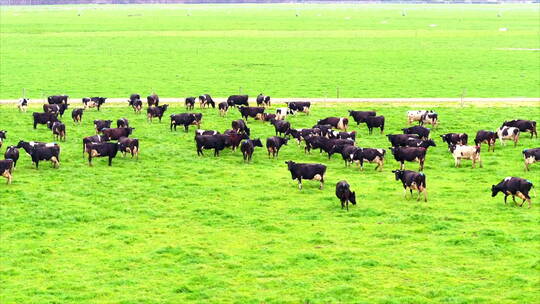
(494, 190)
(393, 149)
(257, 142)
(452, 148)
(352, 198)
(284, 140)
(3, 134)
(430, 143)
(398, 174)
(130, 130)
(290, 164)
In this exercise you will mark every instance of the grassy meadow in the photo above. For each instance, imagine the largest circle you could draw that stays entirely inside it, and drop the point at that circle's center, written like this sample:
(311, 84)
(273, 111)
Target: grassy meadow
(290, 50)
(176, 228)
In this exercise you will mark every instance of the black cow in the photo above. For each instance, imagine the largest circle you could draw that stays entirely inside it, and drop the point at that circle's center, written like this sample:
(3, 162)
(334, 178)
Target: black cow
(455, 138)
(152, 100)
(343, 192)
(93, 102)
(6, 169)
(246, 112)
(347, 154)
(369, 155)
(418, 130)
(299, 106)
(104, 149)
(129, 145)
(93, 139)
(530, 156)
(240, 126)
(307, 171)
(223, 107)
(336, 122)
(58, 129)
(411, 154)
(324, 130)
(207, 101)
(99, 125)
(22, 105)
(514, 186)
(45, 152)
(263, 100)
(156, 111)
(486, 137)
(338, 147)
(55, 108)
(57, 99)
(217, 142)
(44, 118)
(185, 119)
(342, 135)
(237, 100)
(300, 134)
(523, 126)
(190, 103)
(413, 181)
(273, 145)
(116, 133)
(122, 123)
(248, 146)
(135, 102)
(360, 116)
(2, 137)
(28, 146)
(375, 122)
(414, 142)
(401, 140)
(77, 114)
(235, 138)
(281, 126)
(12, 153)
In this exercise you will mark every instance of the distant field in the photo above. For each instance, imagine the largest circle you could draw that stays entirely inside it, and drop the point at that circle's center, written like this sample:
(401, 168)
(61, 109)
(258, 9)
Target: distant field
(177, 228)
(281, 50)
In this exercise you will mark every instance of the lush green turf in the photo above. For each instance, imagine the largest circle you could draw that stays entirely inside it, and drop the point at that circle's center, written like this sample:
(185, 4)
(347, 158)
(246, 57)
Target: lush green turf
(176, 228)
(366, 51)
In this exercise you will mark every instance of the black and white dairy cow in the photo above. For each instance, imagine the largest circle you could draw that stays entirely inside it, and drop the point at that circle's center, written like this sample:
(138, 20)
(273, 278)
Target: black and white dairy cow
(273, 145)
(369, 155)
(135, 102)
(57, 99)
(12, 152)
(299, 106)
(345, 195)
(100, 124)
(508, 133)
(281, 126)
(248, 146)
(410, 154)
(132, 98)
(223, 107)
(523, 126)
(281, 113)
(129, 145)
(375, 122)
(93, 139)
(104, 149)
(360, 116)
(55, 108)
(418, 115)
(430, 118)
(122, 123)
(342, 135)
(2, 137)
(22, 105)
(300, 134)
(340, 123)
(531, 156)
(460, 152)
(486, 137)
(514, 186)
(39, 151)
(217, 142)
(156, 111)
(206, 101)
(401, 140)
(76, 115)
(263, 100)
(58, 129)
(94, 102)
(238, 100)
(415, 142)
(6, 169)
(240, 126)
(413, 181)
(455, 138)
(152, 100)
(307, 171)
(190, 103)
(252, 112)
(422, 132)
(44, 118)
(206, 132)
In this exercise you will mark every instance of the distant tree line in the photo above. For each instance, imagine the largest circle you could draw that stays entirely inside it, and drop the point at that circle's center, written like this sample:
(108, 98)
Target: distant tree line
(45, 2)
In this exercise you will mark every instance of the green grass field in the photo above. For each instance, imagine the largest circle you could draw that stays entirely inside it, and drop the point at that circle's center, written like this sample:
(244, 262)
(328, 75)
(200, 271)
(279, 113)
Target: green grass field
(177, 228)
(178, 50)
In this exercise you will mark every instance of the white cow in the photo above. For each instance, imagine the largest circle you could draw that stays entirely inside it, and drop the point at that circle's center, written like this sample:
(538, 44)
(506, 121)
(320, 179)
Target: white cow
(23, 104)
(466, 152)
(508, 133)
(413, 116)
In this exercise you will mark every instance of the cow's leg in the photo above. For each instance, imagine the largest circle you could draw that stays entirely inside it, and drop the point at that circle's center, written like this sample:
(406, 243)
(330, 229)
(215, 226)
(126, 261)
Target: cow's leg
(90, 158)
(347, 204)
(110, 160)
(299, 183)
(480, 162)
(402, 165)
(421, 165)
(505, 197)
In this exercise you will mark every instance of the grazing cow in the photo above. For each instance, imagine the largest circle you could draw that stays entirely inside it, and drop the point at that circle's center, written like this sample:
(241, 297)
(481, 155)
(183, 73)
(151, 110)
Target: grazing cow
(217, 142)
(235, 138)
(246, 112)
(369, 155)
(273, 145)
(300, 134)
(508, 133)
(38, 153)
(455, 138)
(299, 106)
(185, 119)
(343, 192)
(307, 171)
(135, 102)
(57, 99)
(240, 126)
(413, 181)
(360, 116)
(375, 122)
(12, 153)
(265, 117)
(122, 123)
(58, 129)
(314, 142)
(152, 100)
(530, 156)
(327, 145)
(93, 102)
(401, 140)
(342, 135)
(55, 108)
(523, 126)
(263, 100)
(99, 125)
(414, 142)
(413, 116)
(2, 137)
(104, 149)
(156, 111)
(411, 154)
(22, 105)
(129, 145)
(116, 133)
(486, 137)
(418, 130)
(431, 118)
(206, 100)
(223, 107)
(281, 113)
(44, 118)
(6, 169)
(347, 154)
(514, 186)
(77, 114)
(93, 139)
(281, 126)
(190, 103)
(133, 98)
(465, 152)
(237, 100)
(206, 132)
(336, 122)
(248, 146)
(324, 130)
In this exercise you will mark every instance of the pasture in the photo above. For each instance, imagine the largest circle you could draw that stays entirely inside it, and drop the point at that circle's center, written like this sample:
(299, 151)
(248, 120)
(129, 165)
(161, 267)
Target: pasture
(175, 228)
